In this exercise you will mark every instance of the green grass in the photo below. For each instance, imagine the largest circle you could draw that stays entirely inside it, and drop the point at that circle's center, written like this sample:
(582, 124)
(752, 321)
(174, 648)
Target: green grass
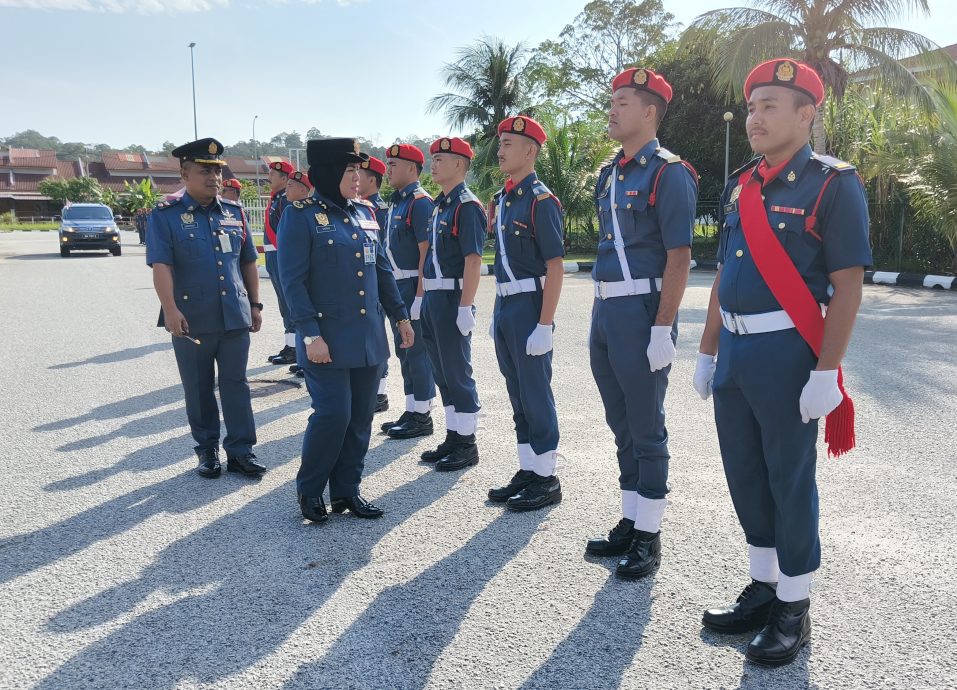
(29, 227)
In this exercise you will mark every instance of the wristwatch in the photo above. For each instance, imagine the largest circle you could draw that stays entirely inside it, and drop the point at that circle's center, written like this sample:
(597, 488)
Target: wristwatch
(258, 305)
(309, 340)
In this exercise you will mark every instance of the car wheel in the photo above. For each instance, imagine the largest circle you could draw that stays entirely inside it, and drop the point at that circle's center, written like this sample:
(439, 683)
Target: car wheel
(116, 251)
(64, 251)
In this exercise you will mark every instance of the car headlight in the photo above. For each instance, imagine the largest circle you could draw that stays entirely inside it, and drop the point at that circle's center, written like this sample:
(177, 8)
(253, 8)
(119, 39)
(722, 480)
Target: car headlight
(67, 228)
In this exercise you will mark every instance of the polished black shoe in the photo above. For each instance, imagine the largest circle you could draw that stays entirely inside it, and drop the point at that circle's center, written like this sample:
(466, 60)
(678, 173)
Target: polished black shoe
(538, 493)
(463, 454)
(381, 402)
(787, 630)
(444, 448)
(245, 464)
(209, 466)
(616, 543)
(403, 418)
(357, 505)
(313, 508)
(749, 612)
(519, 481)
(300, 373)
(417, 424)
(643, 558)
(287, 355)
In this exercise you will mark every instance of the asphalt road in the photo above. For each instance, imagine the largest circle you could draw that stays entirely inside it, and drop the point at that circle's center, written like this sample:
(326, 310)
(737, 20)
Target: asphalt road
(120, 568)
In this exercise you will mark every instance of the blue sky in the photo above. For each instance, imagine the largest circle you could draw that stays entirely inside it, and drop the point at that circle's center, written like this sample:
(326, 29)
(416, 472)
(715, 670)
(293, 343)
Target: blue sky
(118, 72)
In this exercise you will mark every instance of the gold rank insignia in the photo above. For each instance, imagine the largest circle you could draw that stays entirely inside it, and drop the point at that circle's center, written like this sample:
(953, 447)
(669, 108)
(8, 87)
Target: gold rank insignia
(445, 145)
(322, 219)
(641, 77)
(213, 148)
(542, 197)
(785, 71)
(792, 176)
(187, 218)
(735, 193)
(518, 125)
(297, 204)
(394, 151)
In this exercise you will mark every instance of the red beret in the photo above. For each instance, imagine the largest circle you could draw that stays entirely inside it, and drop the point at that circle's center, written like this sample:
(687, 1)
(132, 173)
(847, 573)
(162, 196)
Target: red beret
(232, 182)
(301, 178)
(406, 152)
(525, 126)
(459, 147)
(643, 79)
(791, 74)
(373, 164)
(282, 166)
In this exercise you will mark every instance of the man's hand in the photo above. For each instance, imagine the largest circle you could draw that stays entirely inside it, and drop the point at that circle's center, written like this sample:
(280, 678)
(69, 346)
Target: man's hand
(540, 341)
(175, 322)
(416, 312)
(257, 320)
(465, 320)
(407, 335)
(704, 374)
(821, 395)
(318, 352)
(661, 349)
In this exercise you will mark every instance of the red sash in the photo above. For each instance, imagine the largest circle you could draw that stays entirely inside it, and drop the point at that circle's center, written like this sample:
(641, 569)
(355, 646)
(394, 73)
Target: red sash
(792, 293)
(267, 226)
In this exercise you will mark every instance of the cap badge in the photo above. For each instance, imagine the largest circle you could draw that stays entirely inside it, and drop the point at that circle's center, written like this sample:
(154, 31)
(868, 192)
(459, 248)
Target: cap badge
(394, 151)
(518, 125)
(445, 145)
(212, 148)
(641, 77)
(365, 164)
(785, 72)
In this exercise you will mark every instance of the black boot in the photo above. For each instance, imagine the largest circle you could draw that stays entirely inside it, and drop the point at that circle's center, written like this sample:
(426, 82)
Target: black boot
(381, 402)
(749, 612)
(417, 424)
(540, 492)
(643, 558)
(444, 448)
(357, 505)
(787, 630)
(401, 420)
(209, 466)
(313, 508)
(518, 482)
(463, 454)
(617, 541)
(245, 464)
(287, 355)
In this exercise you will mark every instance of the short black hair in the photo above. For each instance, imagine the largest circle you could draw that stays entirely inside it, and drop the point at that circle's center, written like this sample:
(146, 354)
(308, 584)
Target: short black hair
(661, 105)
(419, 168)
(375, 176)
(801, 100)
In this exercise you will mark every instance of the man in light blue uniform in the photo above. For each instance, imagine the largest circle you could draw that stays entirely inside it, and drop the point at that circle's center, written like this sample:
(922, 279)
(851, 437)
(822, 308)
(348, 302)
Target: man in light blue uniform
(646, 200)
(337, 282)
(405, 244)
(526, 219)
(204, 272)
(453, 266)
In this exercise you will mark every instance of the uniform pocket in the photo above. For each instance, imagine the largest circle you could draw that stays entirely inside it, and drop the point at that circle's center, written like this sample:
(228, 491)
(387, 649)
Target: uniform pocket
(187, 242)
(800, 245)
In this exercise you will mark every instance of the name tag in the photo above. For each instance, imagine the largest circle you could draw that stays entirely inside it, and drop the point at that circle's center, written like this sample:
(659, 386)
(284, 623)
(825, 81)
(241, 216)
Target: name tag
(325, 228)
(231, 222)
(224, 244)
(368, 224)
(730, 208)
(368, 249)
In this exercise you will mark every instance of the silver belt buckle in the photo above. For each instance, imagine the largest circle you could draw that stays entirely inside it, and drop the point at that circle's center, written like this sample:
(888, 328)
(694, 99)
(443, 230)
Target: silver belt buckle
(733, 322)
(601, 291)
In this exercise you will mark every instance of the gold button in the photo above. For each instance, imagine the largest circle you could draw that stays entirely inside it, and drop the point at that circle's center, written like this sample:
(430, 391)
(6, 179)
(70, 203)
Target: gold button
(359, 274)
(191, 235)
(222, 277)
(224, 293)
(739, 253)
(345, 220)
(520, 192)
(217, 249)
(362, 293)
(621, 177)
(330, 241)
(508, 203)
(781, 226)
(358, 255)
(355, 236)
(517, 232)
(628, 206)
(614, 205)
(608, 236)
(362, 311)
(185, 296)
(319, 315)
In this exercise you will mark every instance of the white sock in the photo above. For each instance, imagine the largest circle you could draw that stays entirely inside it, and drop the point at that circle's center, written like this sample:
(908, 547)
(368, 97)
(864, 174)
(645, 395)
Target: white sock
(526, 457)
(466, 423)
(410, 403)
(421, 406)
(544, 463)
(629, 505)
(451, 419)
(382, 383)
(650, 512)
(290, 339)
(797, 588)
(764, 563)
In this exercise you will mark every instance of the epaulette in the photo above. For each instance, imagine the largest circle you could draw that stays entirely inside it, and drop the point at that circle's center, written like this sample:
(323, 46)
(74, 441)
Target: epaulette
(363, 202)
(667, 156)
(466, 195)
(540, 191)
(166, 203)
(383, 205)
(607, 163)
(421, 194)
(833, 163)
(305, 202)
(230, 201)
(747, 166)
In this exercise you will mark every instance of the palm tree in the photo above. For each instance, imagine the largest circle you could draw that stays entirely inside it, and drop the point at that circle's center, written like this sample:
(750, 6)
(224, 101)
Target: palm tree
(833, 36)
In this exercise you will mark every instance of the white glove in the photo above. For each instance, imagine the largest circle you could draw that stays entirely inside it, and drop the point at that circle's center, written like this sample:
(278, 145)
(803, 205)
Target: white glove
(465, 320)
(821, 395)
(540, 341)
(661, 350)
(704, 374)
(416, 312)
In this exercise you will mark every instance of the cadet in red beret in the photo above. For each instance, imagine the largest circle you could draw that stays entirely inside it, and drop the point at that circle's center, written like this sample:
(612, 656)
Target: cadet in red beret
(279, 172)
(646, 200)
(451, 272)
(405, 243)
(794, 237)
(298, 186)
(231, 189)
(527, 222)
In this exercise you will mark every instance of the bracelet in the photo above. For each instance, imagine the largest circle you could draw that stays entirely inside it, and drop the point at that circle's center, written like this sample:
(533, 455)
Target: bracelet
(257, 305)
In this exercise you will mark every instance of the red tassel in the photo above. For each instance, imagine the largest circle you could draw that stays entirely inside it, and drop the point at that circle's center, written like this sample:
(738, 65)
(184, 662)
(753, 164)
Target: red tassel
(839, 425)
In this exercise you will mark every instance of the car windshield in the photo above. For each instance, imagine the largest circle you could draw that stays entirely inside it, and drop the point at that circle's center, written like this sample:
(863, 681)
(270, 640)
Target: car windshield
(87, 213)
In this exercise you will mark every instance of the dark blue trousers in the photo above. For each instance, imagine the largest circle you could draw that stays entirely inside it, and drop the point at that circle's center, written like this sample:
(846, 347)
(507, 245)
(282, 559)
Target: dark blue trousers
(337, 436)
(272, 267)
(633, 395)
(228, 353)
(449, 351)
(769, 454)
(528, 379)
(416, 368)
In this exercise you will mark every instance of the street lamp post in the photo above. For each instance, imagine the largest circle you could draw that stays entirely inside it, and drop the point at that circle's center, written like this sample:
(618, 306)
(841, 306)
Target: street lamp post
(192, 69)
(728, 116)
(256, 153)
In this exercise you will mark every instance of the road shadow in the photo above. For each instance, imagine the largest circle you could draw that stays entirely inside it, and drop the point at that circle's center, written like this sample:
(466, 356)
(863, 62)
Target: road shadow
(93, 253)
(754, 677)
(119, 356)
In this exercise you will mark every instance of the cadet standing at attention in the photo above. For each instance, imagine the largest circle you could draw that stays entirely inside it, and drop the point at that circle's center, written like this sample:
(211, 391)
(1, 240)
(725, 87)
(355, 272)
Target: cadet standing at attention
(279, 173)
(646, 200)
(406, 241)
(205, 274)
(526, 220)
(338, 281)
(232, 189)
(794, 242)
(453, 266)
(370, 181)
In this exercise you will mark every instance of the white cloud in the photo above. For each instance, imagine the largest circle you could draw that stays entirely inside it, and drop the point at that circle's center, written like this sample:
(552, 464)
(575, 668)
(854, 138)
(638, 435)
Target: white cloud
(140, 6)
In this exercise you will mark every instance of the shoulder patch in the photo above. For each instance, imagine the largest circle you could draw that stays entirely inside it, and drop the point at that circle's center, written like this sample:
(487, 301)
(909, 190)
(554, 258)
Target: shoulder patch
(833, 163)
(667, 156)
(422, 194)
(362, 202)
(747, 166)
(466, 195)
(230, 202)
(382, 205)
(166, 203)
